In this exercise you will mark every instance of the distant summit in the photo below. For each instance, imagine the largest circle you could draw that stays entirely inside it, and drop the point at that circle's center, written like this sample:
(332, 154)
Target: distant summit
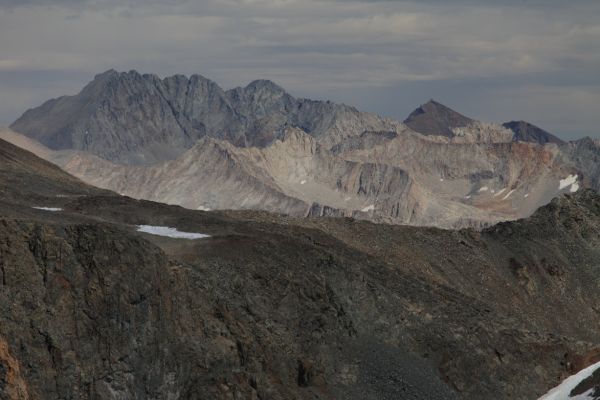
(433, 118)
(184, 140)
(140, 119)
(526, 132)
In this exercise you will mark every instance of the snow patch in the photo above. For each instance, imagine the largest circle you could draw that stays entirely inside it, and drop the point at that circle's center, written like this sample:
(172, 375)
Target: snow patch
(169, 232)
(562, 391)
(483, 189)
(574, 187)
(568, 181)
(468, 196)
(303, 182)
(347, 198)
(508, 194)
(441, 179)
(499, 192)
(202, 208)
(369, 208)
(526, 195)
(48, 208)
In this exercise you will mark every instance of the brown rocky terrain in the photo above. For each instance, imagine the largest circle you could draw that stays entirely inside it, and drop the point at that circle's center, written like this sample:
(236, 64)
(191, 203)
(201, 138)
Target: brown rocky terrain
(275, 307)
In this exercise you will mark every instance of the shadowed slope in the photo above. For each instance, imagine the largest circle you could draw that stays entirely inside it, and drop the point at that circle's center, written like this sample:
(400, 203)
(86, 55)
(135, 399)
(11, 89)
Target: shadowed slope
(274, 307)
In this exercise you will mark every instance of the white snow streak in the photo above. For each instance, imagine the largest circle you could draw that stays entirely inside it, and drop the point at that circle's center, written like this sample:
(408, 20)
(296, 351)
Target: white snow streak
(48, 208)
(169, 232)
(562, 391)
(369, 208)
(526, 195)
(499, 192)
(508, 194)
(202, 208)
(483, 189)
(303, 182)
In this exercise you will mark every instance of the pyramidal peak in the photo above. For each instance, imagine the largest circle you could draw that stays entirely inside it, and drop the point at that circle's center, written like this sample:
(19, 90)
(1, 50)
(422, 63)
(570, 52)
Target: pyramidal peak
(527, 132)
(434, 118)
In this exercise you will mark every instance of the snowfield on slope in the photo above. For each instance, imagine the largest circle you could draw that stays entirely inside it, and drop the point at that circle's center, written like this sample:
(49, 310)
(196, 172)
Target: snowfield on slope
(48, 208)
(570, 180)
(369, 208)
(563, 391)
(170, 232)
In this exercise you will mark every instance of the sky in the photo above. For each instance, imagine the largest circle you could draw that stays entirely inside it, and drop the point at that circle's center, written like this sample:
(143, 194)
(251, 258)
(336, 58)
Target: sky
(536, 60)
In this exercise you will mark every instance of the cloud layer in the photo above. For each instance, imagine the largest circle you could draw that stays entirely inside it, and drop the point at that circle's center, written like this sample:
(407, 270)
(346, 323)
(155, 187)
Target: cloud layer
(494, 60)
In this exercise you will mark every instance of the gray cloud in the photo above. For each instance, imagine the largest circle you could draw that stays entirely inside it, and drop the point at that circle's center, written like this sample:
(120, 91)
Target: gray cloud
(498, 60)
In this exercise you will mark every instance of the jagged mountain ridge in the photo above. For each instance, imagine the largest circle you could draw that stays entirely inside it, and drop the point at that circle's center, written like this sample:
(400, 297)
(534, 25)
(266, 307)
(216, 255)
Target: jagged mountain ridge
(383, 177)
(91, 308)
(132, 118)
(196, 145)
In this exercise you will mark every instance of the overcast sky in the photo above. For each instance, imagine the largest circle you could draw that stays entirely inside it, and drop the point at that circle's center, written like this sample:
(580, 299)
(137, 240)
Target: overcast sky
(537, 60)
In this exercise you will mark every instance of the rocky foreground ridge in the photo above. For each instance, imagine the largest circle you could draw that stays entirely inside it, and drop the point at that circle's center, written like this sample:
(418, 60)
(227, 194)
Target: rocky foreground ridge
(309, 308)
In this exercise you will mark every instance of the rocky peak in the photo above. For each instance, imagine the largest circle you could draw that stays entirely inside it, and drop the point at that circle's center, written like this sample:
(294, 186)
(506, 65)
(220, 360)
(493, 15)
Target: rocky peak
(526, 132)
(106, 75)
(197, 79)
(433, 118)
(264, 85)
(111, 81)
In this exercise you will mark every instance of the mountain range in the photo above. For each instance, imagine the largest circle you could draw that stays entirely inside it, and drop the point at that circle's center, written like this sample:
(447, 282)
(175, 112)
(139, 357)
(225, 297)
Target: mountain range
(186, 141)
(99, 298)
(168, 239)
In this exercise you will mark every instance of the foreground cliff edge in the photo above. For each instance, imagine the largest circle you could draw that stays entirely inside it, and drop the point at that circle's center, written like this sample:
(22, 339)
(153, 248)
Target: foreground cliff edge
(269, 306)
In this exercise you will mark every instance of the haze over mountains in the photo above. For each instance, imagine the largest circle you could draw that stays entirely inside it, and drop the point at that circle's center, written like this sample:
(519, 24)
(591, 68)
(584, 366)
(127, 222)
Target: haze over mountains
(186, 141)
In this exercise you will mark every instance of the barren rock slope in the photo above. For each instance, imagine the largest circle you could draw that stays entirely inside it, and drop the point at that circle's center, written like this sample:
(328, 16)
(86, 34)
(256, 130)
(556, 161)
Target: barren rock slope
(274, 307)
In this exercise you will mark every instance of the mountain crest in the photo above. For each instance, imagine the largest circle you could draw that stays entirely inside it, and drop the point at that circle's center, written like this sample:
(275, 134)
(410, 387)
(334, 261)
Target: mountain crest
(135, 119)
(526, 132)
(264, 84)
(434, 118)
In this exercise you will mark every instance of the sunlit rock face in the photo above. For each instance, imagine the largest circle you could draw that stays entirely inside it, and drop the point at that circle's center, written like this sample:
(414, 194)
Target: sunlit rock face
(186, 141)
